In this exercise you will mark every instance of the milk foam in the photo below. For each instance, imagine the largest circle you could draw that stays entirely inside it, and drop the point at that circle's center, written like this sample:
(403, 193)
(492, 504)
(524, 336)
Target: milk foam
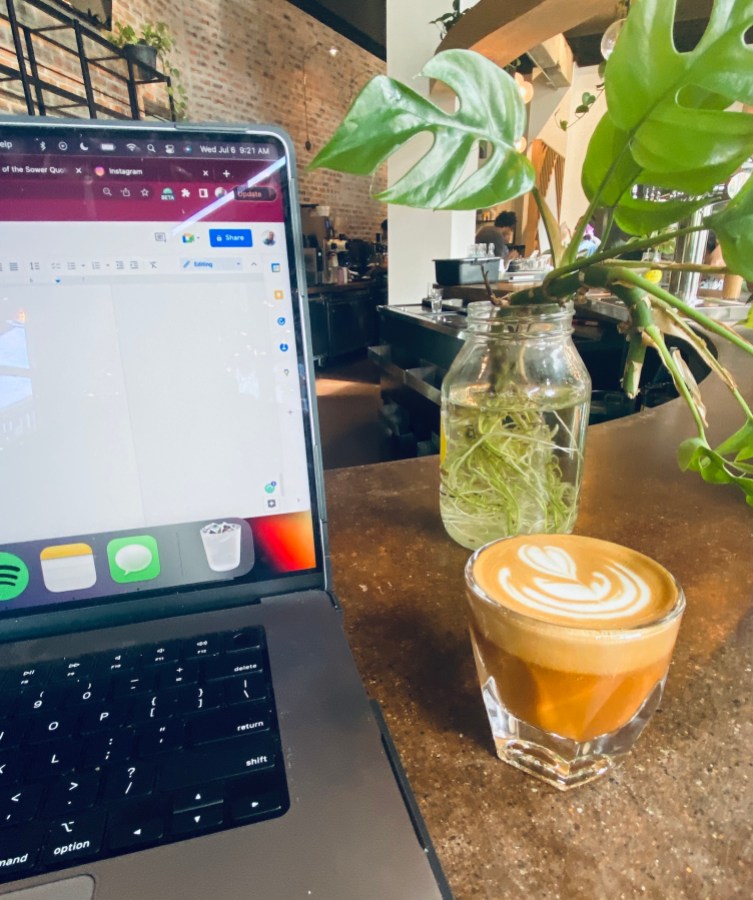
(572, 580)
(555, 588)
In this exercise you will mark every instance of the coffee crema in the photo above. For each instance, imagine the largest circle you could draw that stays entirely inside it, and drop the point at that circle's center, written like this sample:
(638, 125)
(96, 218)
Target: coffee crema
(575, 581)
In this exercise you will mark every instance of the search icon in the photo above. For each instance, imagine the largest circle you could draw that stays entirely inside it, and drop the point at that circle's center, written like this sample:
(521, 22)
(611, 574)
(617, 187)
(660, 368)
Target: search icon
(151, 148)
(107, 192)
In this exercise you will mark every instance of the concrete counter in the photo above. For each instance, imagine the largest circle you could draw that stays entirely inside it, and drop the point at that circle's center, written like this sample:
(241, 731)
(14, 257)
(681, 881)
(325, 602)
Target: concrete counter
(676, 818)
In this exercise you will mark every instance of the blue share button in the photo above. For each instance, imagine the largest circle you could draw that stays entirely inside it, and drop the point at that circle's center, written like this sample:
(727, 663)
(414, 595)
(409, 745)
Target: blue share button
(230, 237)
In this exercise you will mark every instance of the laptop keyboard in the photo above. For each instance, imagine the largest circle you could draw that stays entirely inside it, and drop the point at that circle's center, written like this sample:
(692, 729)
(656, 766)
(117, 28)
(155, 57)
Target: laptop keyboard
(112, 752)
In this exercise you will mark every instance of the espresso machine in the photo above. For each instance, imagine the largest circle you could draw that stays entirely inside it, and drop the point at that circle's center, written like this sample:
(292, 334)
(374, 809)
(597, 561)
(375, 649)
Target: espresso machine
(317, 229)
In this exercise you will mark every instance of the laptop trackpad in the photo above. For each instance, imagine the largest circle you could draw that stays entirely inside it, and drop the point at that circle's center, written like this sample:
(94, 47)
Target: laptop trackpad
(79, 888)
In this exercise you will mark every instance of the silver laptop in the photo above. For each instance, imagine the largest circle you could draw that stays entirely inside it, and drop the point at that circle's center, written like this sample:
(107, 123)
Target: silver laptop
(181, 716)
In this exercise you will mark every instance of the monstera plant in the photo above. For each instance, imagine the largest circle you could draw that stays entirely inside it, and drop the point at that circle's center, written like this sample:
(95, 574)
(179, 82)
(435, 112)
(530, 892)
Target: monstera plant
(674, 121)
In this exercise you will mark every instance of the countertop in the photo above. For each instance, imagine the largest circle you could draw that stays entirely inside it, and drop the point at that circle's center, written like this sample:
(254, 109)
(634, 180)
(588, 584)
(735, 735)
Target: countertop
(365, 284)
(675, 820)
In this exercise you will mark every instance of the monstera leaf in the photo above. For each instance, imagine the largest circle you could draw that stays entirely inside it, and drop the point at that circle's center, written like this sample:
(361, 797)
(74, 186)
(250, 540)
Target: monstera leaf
(610, 172)
(667, 122)
(387, 114)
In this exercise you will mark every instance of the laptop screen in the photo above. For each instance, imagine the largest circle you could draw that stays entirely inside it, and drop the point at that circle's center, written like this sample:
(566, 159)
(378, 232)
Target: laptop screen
(153, 416)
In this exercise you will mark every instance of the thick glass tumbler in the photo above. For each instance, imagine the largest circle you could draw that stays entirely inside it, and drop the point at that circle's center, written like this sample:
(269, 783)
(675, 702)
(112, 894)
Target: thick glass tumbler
(572, 639)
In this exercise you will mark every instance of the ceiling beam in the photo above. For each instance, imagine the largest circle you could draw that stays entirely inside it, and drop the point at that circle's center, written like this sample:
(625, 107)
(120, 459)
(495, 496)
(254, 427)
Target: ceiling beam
(504, 31)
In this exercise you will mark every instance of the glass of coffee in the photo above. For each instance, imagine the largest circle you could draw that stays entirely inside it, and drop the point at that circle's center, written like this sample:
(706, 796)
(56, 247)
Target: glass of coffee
(572, 638)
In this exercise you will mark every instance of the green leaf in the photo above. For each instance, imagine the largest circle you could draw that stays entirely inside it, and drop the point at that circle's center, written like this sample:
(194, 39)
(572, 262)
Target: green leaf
(734, 228)
(740, 443)
(387, 114)
(670, 103)
(667, 122)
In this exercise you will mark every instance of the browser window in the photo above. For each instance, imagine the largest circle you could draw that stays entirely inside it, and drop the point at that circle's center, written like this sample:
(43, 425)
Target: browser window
(180, 449)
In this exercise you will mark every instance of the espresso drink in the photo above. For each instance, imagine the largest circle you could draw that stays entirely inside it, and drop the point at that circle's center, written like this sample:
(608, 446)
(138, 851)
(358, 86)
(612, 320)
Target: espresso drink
(574, 632)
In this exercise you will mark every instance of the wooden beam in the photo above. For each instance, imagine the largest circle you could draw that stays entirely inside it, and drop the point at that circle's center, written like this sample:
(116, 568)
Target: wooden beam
(504, 31)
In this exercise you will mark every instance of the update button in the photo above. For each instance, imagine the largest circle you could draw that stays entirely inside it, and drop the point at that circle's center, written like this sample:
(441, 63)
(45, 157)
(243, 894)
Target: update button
(230, 237)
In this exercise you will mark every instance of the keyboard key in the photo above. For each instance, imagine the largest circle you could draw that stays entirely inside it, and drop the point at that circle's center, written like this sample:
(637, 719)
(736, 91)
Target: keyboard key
(197, 797)
(19, 803)
(73, 838)
(51, 759)
(12, 763)
(156, 654)
(83, 693)
(102, 718)
(36, 700)
(255, 806)
(151, 707)
(217, 725)
(72, 794)
(118, 661)
(19, 679)
(128, 684)
(19, 849)
(244, 640)
(108, 747)
(193, 698)
(130, 779)
(72, 670)
(245, 688)
(197, 820)
(198, 648)
(240, 756)
(12, 732)
(58, 724)
(135, 825)
(176, 674)
(159, 737)
(231, 664)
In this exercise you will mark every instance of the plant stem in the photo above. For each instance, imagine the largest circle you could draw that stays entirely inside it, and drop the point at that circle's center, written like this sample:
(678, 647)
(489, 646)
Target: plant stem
(612, 276)
(636, 301)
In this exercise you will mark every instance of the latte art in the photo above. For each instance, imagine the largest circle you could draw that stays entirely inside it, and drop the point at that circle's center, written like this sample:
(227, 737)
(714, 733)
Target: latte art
(575, 581)
(557, 589)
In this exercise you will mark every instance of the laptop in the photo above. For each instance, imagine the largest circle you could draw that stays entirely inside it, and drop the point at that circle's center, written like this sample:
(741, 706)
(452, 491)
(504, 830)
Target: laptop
(181, 716)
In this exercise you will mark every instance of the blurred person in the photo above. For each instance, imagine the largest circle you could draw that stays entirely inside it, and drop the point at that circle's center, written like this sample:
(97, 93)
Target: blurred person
(501, 234)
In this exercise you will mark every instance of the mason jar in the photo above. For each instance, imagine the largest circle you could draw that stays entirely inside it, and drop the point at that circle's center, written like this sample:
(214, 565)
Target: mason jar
(515, 407)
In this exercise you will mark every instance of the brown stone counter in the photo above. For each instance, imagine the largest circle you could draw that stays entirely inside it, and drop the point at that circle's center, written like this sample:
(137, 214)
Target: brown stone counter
(676, 819)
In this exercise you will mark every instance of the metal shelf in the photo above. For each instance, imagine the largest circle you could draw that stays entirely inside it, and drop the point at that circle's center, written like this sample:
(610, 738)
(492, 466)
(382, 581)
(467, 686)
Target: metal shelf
(57, 64)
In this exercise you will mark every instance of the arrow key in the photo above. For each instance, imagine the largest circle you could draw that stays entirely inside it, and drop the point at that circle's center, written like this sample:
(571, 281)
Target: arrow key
(244, 809)
(132, 826)
(199, 797)
(195, 820)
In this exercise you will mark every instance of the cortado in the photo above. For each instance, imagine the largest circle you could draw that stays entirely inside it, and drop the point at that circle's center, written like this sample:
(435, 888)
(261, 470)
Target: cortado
(572, 634)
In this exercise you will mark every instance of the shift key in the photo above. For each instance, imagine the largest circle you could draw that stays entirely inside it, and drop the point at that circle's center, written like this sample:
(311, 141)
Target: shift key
(238, 756)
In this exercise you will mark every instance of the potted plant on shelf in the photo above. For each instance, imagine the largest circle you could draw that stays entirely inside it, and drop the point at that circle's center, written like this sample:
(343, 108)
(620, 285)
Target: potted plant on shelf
(668, 125)
(151, 45)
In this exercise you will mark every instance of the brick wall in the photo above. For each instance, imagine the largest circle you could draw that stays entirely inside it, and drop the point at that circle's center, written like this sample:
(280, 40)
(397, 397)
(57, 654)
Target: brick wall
(242, 60)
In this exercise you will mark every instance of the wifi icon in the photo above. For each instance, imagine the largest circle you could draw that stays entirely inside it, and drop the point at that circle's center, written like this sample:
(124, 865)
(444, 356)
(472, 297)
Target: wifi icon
(14, 576)
(132, 147)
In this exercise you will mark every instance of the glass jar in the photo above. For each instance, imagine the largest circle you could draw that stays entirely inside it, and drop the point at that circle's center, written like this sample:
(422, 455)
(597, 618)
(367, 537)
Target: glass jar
(515, 407)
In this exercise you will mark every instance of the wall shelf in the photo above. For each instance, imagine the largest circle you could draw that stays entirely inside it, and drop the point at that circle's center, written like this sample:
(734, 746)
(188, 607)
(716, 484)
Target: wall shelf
(51, 63)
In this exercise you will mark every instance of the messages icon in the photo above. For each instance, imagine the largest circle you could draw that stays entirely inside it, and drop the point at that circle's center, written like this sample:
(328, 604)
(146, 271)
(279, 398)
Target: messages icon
(134, 558)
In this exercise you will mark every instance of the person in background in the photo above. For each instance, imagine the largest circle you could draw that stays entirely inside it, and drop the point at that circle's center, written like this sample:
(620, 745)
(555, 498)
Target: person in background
(713, 255)
(501, 234)
(589, 243)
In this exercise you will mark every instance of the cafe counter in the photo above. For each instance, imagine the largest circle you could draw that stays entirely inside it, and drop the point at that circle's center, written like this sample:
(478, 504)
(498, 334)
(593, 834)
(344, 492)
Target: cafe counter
(675, 819)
